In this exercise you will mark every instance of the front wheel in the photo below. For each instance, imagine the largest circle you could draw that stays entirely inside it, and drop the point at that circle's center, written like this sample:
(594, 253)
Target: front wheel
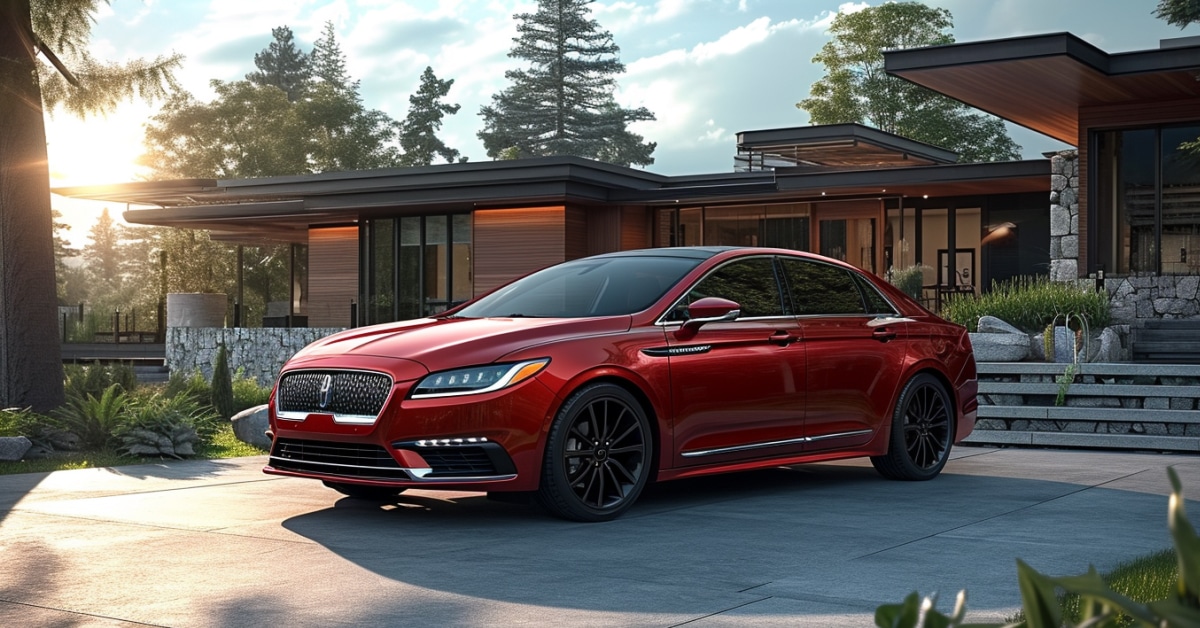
(922, 432)
(597, 455)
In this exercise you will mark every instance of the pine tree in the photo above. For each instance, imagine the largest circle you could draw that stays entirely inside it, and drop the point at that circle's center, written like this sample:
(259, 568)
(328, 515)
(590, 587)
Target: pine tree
(418, 131)
(31, 373)
(563, 104)
(329, 64)
(103, 254)
(282, 65)
(222, 385)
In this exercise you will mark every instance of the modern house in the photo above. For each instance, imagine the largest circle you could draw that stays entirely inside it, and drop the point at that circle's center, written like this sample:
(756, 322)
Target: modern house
(391, 244)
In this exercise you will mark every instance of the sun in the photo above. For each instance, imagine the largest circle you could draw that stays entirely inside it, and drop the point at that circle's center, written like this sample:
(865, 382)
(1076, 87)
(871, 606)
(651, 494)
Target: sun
(96, 150)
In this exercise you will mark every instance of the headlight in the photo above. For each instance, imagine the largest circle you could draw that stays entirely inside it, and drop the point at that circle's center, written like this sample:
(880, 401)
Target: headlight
(476, 379)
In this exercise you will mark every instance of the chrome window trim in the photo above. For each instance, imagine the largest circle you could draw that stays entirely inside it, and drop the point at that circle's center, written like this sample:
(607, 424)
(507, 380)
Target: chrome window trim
(662, 322)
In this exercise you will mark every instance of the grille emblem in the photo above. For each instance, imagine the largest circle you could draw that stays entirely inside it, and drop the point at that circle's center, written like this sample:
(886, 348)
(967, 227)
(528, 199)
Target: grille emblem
(325, 393)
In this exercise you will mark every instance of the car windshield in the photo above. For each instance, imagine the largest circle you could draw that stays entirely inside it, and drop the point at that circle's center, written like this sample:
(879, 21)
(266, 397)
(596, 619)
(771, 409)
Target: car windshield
(606, 286)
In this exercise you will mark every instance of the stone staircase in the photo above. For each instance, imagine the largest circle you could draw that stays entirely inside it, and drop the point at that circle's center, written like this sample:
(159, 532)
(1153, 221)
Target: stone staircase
(1167, 341)
(1105, 405)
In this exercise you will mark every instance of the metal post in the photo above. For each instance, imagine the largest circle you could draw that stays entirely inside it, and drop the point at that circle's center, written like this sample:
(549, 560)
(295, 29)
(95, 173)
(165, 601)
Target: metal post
(353, 313)
(117, 326)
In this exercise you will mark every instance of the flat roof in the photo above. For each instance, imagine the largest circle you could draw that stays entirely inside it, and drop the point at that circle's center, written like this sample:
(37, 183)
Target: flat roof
(1041, 81)
(838, 146)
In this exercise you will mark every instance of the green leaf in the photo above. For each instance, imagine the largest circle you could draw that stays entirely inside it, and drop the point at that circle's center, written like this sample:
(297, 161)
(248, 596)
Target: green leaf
(903, 615)
(1038, 598)
(1187, 546)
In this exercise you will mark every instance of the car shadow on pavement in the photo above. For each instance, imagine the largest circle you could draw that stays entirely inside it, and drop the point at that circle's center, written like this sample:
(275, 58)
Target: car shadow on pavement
(709, 542)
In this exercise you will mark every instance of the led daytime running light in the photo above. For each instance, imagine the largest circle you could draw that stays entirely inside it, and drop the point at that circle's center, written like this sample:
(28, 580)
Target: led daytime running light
(476, 380)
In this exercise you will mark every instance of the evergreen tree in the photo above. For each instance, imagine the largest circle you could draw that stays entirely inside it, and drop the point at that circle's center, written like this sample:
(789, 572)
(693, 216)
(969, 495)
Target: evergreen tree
(563, 103)
(31, 373)
(282, 64)
(102, 255)
(418, 131)
(857, 89)
(328, 62)
(1178, 12)
(222, 385)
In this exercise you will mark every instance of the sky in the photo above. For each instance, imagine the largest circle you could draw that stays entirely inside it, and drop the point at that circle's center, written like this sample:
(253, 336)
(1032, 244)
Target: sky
(707, 69)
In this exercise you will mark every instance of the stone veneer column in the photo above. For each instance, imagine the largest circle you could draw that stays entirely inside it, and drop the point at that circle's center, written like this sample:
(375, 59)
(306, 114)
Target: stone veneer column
(1064, 216)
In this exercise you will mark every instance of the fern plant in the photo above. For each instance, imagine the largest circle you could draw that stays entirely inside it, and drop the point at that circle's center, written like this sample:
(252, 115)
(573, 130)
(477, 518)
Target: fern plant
(93, 419)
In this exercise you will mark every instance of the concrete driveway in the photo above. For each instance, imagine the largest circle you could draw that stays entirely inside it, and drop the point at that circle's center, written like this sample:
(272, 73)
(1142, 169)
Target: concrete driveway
(217, 543)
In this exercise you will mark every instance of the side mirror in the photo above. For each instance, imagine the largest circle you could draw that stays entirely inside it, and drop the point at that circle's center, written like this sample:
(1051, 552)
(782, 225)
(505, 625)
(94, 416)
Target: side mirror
(707, 310)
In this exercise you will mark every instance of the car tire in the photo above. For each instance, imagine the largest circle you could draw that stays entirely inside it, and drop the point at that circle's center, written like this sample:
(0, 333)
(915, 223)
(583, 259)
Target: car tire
(598, 455)
(922, 432)
(360, 491)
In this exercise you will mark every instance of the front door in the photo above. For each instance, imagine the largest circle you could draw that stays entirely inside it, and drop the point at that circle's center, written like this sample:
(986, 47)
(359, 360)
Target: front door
(738, 386)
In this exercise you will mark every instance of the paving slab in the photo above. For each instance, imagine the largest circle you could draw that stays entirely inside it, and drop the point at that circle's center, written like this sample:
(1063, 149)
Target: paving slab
(217, 543)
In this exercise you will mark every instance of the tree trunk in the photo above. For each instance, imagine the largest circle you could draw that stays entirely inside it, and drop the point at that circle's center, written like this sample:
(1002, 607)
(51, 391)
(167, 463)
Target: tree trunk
(31, 373)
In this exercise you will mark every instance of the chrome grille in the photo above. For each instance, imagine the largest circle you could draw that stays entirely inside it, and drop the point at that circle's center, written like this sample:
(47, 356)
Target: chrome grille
(355, 460)
(347, 393)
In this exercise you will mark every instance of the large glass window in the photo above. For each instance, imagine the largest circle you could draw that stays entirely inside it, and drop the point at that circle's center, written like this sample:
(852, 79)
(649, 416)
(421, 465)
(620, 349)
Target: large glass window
(415, 266)
(1146, 215)
(784, 226)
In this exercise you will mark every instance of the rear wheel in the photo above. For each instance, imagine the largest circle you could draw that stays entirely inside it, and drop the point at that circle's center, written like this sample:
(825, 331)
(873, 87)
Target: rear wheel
(922, 432)
(360, 491)
(597, 455)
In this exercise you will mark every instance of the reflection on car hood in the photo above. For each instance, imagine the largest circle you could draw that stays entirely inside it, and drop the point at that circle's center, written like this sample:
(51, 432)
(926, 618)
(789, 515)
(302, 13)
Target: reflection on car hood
(440, 344)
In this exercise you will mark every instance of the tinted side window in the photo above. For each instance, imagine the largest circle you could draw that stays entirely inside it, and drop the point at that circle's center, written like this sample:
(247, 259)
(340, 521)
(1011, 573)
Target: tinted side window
(818, 288)
(751, 283)
(876, 304)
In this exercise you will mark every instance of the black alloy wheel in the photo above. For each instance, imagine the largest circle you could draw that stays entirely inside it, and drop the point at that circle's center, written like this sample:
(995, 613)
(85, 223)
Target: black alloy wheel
(922, 432)
(597, 455)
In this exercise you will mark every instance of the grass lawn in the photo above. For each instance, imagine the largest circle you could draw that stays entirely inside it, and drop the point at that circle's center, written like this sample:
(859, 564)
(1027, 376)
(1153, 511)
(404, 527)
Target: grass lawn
(223, 444)
(1144, 579)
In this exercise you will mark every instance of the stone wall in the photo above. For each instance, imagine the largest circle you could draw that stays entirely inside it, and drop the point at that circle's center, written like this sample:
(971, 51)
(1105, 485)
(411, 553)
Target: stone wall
(1064, 216)
(260, 352)
(1133, 298)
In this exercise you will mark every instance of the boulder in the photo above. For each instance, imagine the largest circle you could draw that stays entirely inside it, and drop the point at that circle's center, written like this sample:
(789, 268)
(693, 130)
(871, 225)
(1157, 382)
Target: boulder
(991, 347)
(1110, 346)
(13, 448)
(993, 325)
(250, 427)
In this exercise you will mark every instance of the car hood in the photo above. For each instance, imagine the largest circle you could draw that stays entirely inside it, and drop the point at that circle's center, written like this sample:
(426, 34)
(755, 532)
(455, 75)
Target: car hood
(443, 343)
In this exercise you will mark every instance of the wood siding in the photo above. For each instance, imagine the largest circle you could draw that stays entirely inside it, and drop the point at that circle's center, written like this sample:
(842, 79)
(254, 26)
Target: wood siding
(635, 228)
(512, 242)
(332, 275)
(576, 244)
(1111, 117)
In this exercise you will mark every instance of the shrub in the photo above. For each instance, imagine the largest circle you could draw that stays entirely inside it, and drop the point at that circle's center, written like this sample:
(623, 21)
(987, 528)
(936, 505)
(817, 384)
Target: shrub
(222, 385)
(93, 379)
(247, 393)
(162, 425)
(21, 422)
(909, 280)
(93, 419)
(1029, 303)
(193, 386)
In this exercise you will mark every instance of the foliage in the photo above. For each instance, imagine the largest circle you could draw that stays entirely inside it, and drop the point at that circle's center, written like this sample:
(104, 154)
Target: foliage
(21, 422)
(282, 65)
(224, 444)
(418, 131)
(164, 425)
(93, 419)
(1178, 12)
(856, 88)
(1029, 303)
(247, 393)
(1099, 604)
(1064, 382)
(222, 385)
(563, 102)
(909, 280)
(192, 386)
(83, 380)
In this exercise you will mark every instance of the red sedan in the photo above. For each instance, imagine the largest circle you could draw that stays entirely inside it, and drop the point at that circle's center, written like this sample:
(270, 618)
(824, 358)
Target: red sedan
(580, 383)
